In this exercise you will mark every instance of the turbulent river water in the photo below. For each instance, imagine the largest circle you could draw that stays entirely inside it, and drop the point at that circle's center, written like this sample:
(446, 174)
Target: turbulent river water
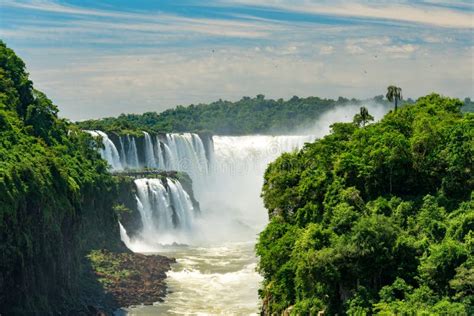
(218, 280)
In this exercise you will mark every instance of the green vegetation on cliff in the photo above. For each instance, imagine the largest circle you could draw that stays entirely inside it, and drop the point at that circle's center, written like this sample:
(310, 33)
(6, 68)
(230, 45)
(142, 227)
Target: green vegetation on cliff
(56, 201)
(376, 219)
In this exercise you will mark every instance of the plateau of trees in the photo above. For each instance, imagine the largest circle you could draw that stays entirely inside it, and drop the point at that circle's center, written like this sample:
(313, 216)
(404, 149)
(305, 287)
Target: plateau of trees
(256, 115)
(376, 219)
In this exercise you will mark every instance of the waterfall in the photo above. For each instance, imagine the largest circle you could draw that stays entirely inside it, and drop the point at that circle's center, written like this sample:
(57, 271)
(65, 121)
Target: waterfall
(124, 236)
(232, 189)
(150, 160)
(159, 154)
(123, 155)
(187, 153)
(249, 154)
(183, 206)
(132, 153)
(227, 179)
(166, 211)
(109, 152)
(178, 152)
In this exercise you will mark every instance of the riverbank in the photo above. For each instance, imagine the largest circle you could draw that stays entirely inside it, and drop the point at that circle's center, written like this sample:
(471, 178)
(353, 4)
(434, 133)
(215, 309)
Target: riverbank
(131, 278)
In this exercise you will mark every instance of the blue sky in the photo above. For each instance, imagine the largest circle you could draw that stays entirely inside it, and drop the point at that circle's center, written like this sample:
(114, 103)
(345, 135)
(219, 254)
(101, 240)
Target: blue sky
(103, 58)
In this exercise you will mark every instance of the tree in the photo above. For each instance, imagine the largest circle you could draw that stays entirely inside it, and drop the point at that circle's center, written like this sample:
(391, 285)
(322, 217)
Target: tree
(363, 117)
(394, 94)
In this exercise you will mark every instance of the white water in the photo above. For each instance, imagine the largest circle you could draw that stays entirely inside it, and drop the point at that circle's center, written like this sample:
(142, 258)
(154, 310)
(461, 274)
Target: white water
(216, 273)
(167, 214)
(109, 152)
(209, 280)
(151, 161)
(131, 156)
(180, 152)
(237, 173)
(187, 153)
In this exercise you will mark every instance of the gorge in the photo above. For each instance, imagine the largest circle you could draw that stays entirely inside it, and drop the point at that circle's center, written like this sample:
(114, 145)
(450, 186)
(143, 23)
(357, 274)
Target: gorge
(211, 226)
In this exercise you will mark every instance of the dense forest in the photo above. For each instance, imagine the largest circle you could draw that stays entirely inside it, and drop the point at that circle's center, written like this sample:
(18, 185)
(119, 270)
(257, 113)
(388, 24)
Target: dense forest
(247, 116)
(56, 202)
(374, 219)
(256, 115)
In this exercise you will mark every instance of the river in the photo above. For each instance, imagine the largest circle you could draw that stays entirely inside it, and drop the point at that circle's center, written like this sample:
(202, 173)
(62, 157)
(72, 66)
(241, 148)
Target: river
(217, 280)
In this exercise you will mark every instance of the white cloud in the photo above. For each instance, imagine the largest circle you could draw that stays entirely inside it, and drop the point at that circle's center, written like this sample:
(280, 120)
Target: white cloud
(354, 49)
(433, 39)
(326, 50)
(151, 22)
(53, 7)
(370, 41)
(402, 49)
(95, 86)
(437, 16)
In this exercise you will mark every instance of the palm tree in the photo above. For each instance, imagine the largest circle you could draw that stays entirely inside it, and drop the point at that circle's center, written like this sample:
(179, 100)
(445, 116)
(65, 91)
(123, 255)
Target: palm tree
(363, 117)
(394, 94)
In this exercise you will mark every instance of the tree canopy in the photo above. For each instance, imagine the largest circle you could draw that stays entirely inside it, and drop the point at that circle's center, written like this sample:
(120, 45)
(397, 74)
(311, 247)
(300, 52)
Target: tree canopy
(376, 219)
(247, 116)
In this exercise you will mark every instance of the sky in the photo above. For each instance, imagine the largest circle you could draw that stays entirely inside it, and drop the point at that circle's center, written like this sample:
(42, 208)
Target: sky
(103, 58)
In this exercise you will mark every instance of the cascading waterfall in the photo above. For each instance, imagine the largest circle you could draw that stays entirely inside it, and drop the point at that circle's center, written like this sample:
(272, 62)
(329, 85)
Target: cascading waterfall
(179, 152)
(231, 170)
(166, 210)
(109, 152)
(132, 153)
(187, 153)
(123, 155)
(235, 171)
(249, 154)
(150, 159)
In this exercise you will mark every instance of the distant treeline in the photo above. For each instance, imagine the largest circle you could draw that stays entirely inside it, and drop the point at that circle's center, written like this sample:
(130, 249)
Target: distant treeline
(256, 115)
(247, 116)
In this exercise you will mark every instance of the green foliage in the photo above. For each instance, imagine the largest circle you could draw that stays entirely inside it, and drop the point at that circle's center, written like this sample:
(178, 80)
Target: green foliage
(363, 117)
(246, 116)
(56, 199)
(374, 219)
(109, 266)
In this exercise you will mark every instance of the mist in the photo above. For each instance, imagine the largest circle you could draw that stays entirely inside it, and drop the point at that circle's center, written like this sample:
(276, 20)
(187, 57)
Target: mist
(230, 197)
